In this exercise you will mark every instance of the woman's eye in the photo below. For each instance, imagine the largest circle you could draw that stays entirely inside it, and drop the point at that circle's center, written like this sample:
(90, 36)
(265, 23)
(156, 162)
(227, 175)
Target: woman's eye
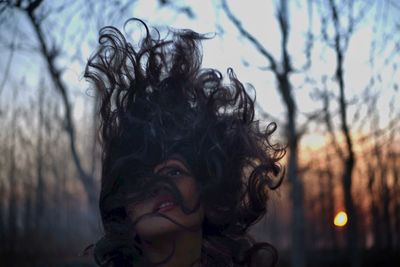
(172, 169)
(174, 172)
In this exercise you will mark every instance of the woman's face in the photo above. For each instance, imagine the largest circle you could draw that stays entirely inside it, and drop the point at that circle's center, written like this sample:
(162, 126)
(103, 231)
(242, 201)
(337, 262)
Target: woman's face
(164, 203)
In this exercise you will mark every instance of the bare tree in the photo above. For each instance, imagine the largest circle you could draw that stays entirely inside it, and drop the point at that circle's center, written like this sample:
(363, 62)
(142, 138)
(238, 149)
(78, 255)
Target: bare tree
(374, 200)
(50, 54)
(13, 183)
(393, 158)
(340, 44)
(282, 69)
(40, 188)
(2, 212)
(395, 170)
(384, 193)
(331, 199)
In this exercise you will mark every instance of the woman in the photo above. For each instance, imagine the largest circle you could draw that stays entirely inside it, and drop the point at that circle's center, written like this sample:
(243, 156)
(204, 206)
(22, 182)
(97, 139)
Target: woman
(186, 168)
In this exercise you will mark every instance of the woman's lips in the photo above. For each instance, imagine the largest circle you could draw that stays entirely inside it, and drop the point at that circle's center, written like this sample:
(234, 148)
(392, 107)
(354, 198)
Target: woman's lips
(164, 203)
(166, 206)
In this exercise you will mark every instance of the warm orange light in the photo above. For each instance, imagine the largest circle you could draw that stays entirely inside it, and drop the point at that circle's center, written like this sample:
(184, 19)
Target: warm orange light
(340, 219)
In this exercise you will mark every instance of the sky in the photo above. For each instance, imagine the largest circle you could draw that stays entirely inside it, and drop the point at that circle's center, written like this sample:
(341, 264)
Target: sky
(226, 49)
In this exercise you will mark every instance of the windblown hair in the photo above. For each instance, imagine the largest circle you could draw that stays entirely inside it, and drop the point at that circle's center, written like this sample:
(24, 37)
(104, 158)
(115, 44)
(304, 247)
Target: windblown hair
(157, 100)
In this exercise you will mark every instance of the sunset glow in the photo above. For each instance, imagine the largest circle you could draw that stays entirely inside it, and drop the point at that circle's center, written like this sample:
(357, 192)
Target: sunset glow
(340, 219)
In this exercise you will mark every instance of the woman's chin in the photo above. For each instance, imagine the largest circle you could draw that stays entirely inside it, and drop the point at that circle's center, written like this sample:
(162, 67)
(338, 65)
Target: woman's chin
(159, 225)
(156, 226)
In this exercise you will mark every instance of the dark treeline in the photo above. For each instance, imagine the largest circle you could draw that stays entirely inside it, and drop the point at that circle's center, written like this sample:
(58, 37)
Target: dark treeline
(49, 160)
(43, 210)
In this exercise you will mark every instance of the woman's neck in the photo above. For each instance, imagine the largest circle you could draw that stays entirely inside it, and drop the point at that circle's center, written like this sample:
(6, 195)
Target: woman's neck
(184, 248)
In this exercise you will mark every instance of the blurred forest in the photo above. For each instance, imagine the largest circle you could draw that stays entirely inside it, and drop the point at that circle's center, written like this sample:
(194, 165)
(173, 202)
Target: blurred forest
(333, 65)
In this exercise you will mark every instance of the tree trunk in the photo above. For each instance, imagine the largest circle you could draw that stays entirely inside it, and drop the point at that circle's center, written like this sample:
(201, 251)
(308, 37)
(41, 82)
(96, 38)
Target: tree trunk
(349, 163)
(396, 178)
(393, 169)
(298, 258)
(12, 198)
(373, 207)
(381, 168)
(349, 160)
(2, 217)
(40, 187)
(28, 210)
(331, 201)
(87, 181)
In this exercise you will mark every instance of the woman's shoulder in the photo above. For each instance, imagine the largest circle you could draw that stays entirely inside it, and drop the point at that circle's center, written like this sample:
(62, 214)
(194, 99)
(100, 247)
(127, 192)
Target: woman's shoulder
(263, 258)
(258, 254)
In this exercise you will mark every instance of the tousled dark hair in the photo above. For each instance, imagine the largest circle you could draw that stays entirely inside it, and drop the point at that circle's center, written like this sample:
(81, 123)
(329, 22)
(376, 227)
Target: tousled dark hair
(156, 101)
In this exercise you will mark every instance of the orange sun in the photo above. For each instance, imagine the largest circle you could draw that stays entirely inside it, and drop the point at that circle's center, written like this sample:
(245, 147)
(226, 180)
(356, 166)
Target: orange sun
(340, 219)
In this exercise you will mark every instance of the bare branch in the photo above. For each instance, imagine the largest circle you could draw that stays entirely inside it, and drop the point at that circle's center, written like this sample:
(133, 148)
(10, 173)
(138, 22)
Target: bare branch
(33, 6)
(265, 115)
(8, 66)
(309, 38)
(284, 26)
(185, 9)
(249, 36)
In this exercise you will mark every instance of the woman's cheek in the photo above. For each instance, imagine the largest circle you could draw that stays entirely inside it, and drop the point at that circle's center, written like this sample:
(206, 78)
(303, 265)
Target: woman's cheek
(189, 190)
(134, 211)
